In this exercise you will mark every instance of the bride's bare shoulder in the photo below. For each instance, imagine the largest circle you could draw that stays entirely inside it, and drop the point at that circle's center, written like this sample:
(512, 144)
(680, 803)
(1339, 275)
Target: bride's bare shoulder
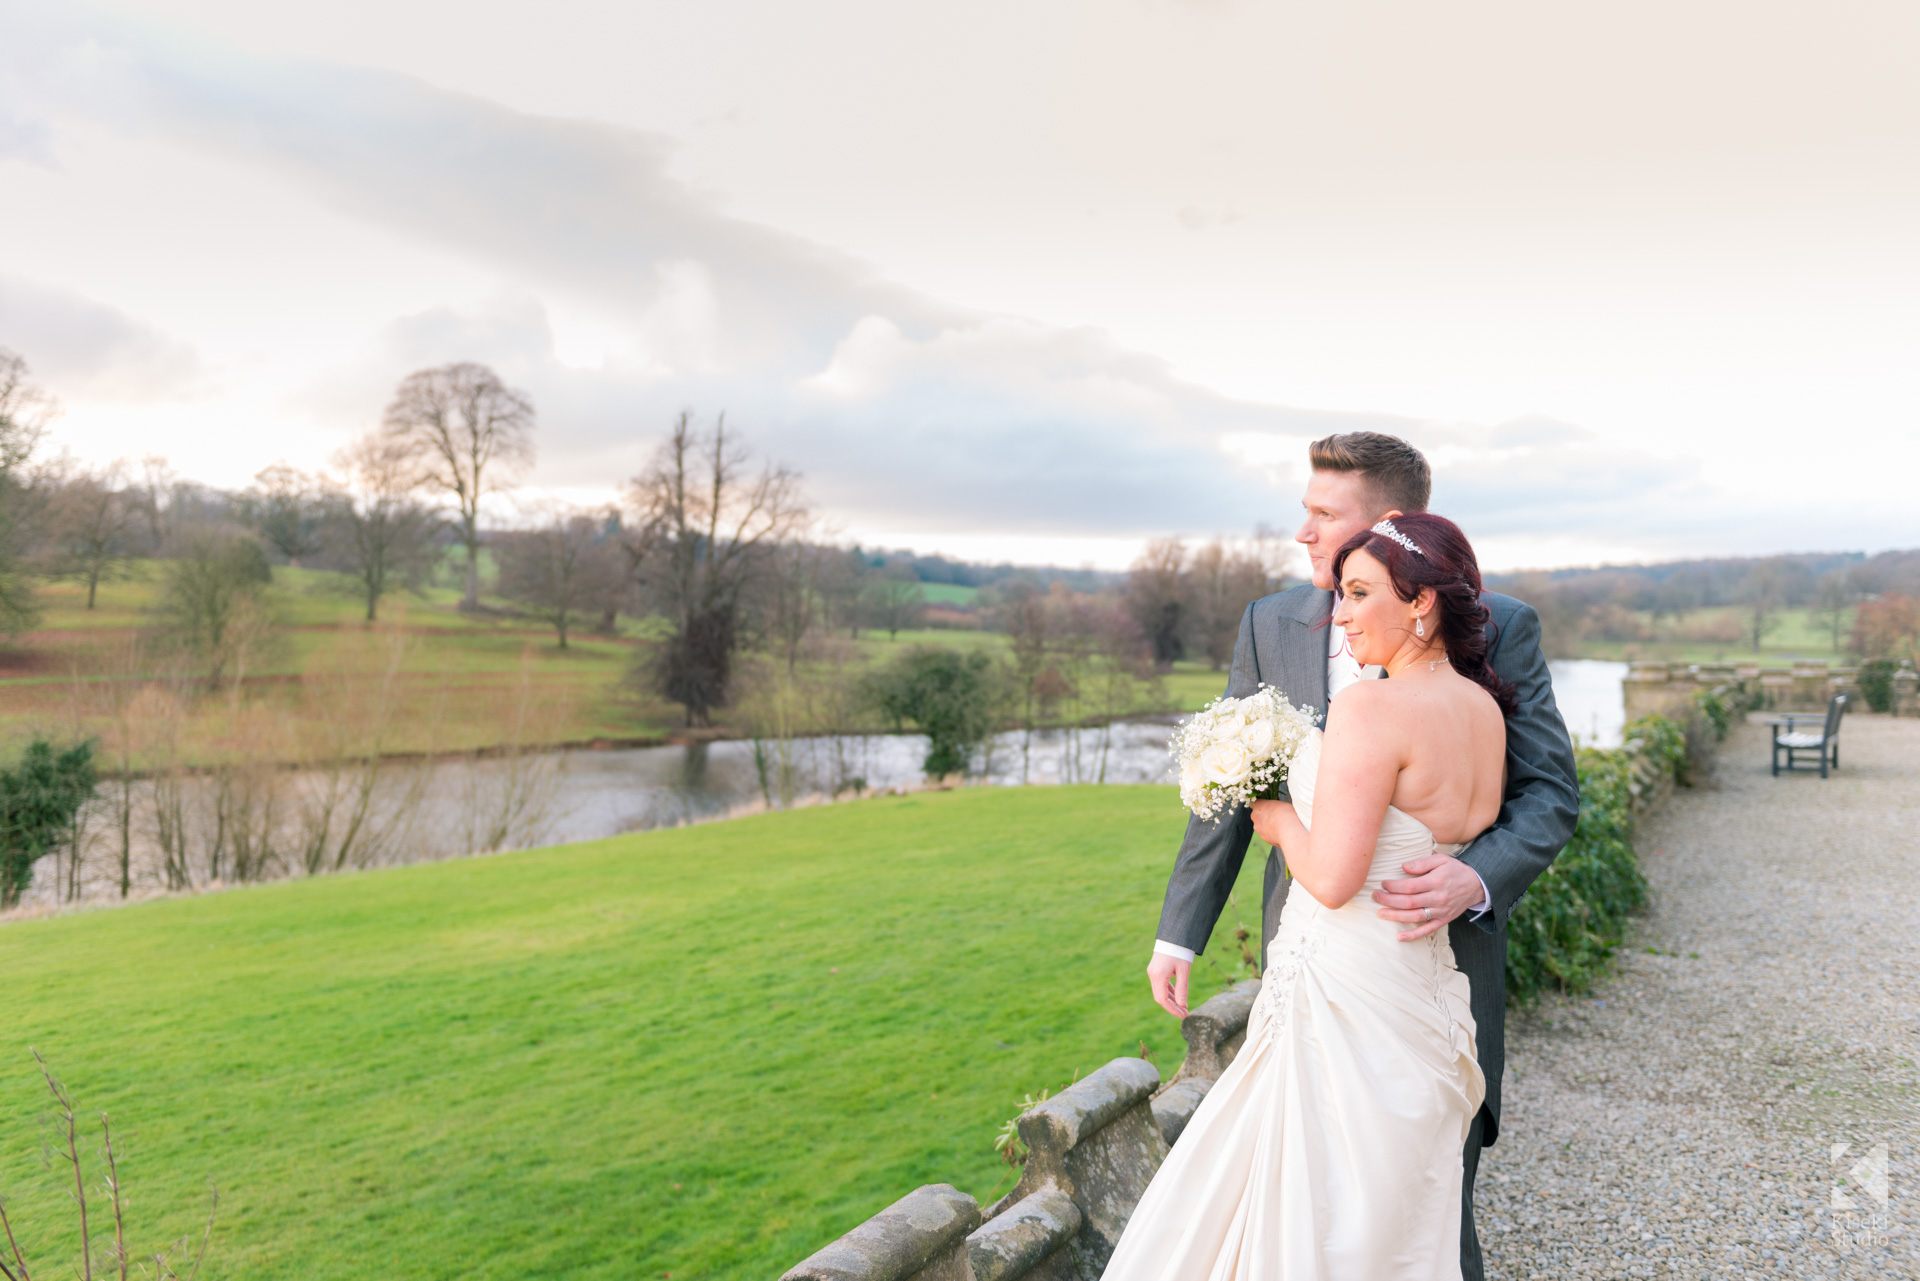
(1364, 703)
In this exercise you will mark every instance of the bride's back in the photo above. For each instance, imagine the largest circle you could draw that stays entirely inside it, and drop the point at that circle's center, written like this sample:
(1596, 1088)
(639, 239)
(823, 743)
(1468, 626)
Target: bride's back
(1442, 733)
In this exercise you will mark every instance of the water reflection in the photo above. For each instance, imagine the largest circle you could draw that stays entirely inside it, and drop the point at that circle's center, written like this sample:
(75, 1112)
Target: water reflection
(602, 793)
(422, 811)
(1589, 694)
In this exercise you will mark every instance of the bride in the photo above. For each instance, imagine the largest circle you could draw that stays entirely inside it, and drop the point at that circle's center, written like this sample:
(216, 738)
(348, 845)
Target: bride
(1331, 1147)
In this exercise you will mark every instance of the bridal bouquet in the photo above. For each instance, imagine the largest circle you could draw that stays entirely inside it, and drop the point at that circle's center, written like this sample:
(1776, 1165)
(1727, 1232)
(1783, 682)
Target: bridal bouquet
(1236, 751)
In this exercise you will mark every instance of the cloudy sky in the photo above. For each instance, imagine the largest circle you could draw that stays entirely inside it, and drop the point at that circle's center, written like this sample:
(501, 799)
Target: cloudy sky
(1032, 280)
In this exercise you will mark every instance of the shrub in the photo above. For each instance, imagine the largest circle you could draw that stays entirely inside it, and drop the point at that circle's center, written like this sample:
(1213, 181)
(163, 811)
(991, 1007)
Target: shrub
(39, 799)
(1665, 743)
(1714, 708)
(950, 696)
(1566, 928)
(1876, 683)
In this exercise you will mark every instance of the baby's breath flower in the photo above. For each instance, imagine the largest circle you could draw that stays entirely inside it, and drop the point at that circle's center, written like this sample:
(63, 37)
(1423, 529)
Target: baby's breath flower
(1236, 751)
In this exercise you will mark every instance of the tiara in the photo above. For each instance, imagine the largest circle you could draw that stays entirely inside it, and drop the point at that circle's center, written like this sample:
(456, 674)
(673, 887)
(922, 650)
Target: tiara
(1386, 529)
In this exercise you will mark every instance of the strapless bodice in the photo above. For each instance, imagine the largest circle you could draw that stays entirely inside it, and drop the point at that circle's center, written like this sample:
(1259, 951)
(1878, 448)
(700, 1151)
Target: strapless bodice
(1402, 836)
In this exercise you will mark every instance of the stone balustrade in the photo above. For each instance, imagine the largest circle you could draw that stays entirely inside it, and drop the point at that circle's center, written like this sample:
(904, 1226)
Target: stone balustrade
(1801, 686)
(1906, 692)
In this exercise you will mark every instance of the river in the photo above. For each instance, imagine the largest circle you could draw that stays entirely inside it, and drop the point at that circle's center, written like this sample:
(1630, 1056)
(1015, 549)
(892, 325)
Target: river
(432, 810)
(600, 793)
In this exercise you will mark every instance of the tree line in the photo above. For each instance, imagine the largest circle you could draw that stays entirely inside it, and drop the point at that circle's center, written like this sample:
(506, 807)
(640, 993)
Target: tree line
(1868, 605)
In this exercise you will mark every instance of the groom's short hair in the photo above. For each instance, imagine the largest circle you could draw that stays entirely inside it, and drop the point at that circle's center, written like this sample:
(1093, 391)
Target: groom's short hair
(1396, 472)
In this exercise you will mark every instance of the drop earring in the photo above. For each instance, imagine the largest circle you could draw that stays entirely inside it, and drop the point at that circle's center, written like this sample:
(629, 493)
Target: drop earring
(1419, 626)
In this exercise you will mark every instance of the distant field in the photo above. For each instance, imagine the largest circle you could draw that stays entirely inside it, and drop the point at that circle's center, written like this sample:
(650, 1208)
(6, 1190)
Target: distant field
(948, 593)
(461, 678)
(1798, 634)
(676, 1052)
(464, 681)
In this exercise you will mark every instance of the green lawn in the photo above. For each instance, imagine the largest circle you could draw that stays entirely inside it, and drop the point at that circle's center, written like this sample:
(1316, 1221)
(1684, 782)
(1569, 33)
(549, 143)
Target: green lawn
(1797, 633)
(948, 594)
(705, 1051)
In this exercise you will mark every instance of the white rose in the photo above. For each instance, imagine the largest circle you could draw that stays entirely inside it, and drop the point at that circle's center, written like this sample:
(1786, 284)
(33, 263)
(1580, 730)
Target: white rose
(1192, 778)
(1226, 762)
(1257, 738)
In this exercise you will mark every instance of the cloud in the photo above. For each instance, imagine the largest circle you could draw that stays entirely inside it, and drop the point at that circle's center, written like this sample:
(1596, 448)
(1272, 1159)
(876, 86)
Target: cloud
(78, 347)
(626, 296)
(1562, 482)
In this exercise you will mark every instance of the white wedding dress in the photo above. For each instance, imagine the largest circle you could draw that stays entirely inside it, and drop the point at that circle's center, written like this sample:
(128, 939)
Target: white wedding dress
(1329, 1150)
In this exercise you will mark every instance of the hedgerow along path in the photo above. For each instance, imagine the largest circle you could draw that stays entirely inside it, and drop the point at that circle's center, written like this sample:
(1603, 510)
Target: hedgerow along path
(701, 1052)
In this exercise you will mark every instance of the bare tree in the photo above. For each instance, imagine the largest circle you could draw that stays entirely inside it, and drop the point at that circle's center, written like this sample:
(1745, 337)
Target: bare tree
(1221, 582)
(211, 599)
(91, 523)
(1762, 597)
(894, 600)
(842, 579)
(562, 571)
(380, 528)
(469, 435)
(1123, 674)
(153, 496)
(1156, 597)
(715, 517)
(794, 601)
(290, 508)
(1833, 603)
(25, 410)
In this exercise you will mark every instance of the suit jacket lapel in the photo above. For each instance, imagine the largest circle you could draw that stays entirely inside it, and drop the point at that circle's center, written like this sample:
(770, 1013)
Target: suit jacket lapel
(1302, 648)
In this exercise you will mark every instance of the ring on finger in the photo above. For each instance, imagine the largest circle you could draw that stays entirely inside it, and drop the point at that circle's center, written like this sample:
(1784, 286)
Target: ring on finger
(1426, 914)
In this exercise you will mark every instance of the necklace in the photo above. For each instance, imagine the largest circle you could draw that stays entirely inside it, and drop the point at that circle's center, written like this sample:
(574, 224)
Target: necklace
(1433, 664)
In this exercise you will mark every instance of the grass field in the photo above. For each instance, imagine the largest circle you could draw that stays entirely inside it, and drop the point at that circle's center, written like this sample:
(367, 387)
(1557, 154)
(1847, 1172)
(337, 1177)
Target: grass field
(948, 594)
(457, 672)
(1797, 634)
(463, 679)
(677, 1052)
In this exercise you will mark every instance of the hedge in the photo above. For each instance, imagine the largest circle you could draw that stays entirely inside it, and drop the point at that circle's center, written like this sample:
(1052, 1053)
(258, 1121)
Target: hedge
(1565, 929)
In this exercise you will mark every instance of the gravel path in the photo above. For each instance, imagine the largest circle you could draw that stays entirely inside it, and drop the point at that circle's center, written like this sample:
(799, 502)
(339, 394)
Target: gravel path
(1681, 1120)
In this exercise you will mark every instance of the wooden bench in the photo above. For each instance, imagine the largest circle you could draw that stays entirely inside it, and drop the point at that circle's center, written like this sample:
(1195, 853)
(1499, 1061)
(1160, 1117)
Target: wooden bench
(1792, 742)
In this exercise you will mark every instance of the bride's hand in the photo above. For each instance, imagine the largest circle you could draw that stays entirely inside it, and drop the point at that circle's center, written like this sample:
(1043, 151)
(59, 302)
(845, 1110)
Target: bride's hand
(1268, 821)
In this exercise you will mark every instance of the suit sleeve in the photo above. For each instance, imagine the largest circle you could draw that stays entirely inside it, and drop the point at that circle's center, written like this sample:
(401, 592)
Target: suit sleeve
(1211, 853)
(1543, 787)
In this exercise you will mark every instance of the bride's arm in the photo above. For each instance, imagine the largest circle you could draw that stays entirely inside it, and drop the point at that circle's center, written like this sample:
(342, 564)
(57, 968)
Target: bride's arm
(1361, 756)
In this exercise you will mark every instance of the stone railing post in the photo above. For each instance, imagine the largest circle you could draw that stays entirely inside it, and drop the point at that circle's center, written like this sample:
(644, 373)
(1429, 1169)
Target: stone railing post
(1214, 1032)
(1906, 692)
(920, 1237)
(1097, 1145)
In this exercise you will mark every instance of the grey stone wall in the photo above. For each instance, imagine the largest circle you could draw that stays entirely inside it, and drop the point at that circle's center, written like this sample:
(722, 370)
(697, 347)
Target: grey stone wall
(1906, 692)
(1805, 686)
(1091, 1151)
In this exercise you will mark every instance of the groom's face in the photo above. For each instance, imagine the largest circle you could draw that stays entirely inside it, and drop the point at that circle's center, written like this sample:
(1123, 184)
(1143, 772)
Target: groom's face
(1339, 505)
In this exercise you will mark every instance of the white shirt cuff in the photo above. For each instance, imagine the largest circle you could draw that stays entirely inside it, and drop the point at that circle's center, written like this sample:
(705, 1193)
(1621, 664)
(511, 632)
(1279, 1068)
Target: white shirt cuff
(1174, 950)
(1486, 897)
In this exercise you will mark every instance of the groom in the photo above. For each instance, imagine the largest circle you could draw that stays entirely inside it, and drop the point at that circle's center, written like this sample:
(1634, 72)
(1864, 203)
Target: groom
(1286, 641)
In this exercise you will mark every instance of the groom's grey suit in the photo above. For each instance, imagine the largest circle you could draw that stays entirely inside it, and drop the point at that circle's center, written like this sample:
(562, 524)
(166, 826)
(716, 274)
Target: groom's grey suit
(1283, 642)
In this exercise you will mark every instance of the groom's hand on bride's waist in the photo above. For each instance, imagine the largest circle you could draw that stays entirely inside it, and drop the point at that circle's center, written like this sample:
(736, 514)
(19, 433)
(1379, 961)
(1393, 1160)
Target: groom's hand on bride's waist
(1437, 888)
